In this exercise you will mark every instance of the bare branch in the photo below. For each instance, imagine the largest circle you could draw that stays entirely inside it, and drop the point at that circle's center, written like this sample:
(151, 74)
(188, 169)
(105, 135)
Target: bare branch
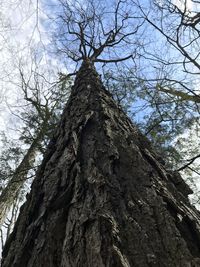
(190, 161)
(96, 29)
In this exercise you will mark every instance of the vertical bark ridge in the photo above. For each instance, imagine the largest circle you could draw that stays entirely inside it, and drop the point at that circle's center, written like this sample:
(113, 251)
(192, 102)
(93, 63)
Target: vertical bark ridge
(101, 197)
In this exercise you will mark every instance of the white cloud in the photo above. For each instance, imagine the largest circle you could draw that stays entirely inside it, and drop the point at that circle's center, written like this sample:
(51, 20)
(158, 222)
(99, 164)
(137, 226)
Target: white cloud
(182, 4)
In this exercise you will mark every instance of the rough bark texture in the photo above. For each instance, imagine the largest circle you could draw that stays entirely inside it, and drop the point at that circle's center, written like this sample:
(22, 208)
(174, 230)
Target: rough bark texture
(101, 197)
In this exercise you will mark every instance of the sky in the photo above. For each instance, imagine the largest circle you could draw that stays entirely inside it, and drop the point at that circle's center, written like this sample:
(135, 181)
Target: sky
(23, 39)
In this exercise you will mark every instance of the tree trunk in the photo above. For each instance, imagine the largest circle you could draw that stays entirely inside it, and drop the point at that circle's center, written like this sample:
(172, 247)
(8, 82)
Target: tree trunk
(11, 191)
(101, 198)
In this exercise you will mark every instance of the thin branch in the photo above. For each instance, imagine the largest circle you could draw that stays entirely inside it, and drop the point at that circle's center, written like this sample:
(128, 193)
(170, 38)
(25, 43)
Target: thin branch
(190, 161)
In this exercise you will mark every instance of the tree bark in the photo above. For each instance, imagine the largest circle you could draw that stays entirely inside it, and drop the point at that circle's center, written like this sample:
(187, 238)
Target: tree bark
(101, 197)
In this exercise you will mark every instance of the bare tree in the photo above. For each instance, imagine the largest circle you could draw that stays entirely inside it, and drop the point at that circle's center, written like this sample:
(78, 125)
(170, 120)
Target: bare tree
(91, 30)
(177, 22)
